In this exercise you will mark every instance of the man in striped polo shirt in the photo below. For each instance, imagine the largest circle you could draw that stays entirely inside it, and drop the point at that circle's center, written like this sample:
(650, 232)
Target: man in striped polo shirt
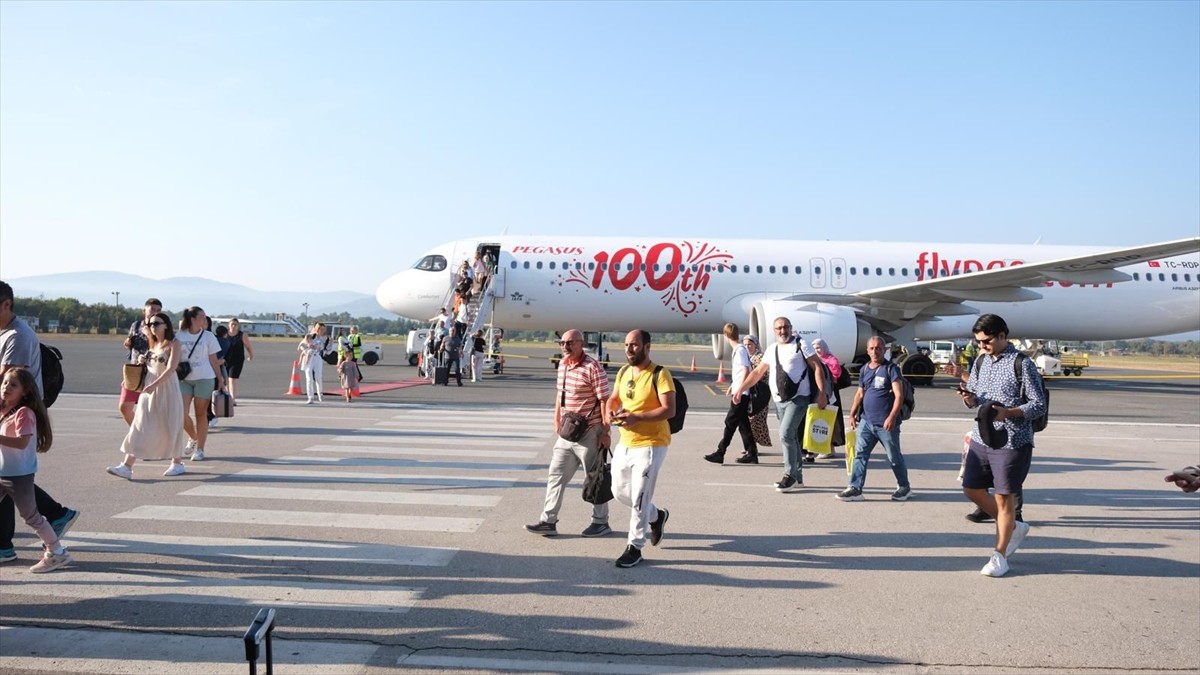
(582, 388)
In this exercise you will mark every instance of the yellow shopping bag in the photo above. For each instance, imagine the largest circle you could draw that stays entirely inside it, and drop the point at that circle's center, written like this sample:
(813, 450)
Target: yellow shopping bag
(849, 451)
(818, 429)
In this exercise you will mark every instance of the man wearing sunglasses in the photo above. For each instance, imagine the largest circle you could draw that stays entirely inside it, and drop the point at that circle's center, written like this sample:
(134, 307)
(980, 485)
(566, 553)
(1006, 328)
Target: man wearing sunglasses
(582, 388)
(1013, 403)
(138, 345)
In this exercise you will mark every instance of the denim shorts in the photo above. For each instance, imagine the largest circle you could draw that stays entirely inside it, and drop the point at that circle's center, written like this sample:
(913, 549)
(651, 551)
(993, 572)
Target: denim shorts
(198, 388)
(1004, 470)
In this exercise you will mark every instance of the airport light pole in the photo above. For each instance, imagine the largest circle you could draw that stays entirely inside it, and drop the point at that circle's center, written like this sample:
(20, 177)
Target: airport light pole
(306, 316)
(117, 324)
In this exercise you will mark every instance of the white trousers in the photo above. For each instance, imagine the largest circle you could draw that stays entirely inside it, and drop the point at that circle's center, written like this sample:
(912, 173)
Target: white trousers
(635, 473)
(313, 374)
(476, 366)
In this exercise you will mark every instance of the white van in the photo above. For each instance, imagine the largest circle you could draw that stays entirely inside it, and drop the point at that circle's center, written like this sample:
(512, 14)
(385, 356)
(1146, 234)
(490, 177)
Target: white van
(942, 351)
(416, 344)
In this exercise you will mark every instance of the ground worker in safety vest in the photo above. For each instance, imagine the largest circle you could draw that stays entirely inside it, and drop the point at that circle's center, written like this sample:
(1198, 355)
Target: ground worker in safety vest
(356, 343)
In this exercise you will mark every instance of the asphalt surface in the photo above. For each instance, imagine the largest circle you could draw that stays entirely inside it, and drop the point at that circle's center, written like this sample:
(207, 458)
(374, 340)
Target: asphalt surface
(388, 534)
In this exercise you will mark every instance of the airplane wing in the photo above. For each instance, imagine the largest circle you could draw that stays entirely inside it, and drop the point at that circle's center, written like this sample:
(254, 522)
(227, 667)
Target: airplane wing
(948, 295)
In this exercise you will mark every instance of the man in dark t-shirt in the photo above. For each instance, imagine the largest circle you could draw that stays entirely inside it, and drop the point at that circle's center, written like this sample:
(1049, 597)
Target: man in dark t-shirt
(876, 415)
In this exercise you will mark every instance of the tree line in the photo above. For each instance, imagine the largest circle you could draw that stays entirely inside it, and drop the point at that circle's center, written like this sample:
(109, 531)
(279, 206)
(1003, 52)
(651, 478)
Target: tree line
(72, 316)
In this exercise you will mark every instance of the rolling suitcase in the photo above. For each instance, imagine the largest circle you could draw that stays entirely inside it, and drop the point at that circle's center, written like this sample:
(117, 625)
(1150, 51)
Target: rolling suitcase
(441, 375)
(222, 404)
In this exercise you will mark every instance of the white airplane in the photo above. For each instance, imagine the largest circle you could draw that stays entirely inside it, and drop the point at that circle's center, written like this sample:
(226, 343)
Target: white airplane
(843, 291)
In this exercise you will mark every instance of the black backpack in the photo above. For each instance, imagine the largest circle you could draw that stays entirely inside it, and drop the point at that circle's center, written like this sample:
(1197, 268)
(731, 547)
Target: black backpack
(1038, 423)
(910, 399)
(52, 373)
(681, 400)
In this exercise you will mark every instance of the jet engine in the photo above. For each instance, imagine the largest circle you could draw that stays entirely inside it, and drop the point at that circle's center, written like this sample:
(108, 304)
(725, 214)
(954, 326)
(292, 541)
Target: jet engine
(840, 327)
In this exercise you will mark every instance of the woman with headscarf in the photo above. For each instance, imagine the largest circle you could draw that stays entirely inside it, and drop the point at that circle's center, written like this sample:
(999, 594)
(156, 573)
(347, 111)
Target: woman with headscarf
(841, 378)
(758, 422)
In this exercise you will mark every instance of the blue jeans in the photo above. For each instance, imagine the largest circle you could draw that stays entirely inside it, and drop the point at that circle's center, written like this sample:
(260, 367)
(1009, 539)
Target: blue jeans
(865, 437)
(791, 416)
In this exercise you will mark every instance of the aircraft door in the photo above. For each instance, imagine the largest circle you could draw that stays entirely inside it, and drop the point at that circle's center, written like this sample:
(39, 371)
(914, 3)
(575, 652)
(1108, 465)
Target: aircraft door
(837, 268)
(817, 272)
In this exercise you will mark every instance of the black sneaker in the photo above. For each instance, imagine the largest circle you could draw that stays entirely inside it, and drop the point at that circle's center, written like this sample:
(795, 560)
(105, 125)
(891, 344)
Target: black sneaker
(810, 457)
(717, 457)
(850, 494)
(979, 516)
(656, 528)
(901, 494)
(543, 528)
(596, 530)
(747, 459)
(630, 557)
(788, 484)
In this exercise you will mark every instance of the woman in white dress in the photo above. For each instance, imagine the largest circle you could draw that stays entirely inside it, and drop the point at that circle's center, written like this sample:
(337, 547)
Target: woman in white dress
(157, 429)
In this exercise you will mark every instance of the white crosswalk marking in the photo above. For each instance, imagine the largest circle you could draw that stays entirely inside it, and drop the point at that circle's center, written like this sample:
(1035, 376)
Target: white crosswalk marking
(425, 438)
(258, 549)
(441, 452)
(177, 588)
(398, 463)
(305, 519)
(328, 495)
(373, 477)
(434, 473)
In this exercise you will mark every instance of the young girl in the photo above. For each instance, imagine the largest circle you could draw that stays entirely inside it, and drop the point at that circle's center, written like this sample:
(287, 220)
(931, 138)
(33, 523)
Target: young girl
(157, 429)
(24, 432)
(348, 372)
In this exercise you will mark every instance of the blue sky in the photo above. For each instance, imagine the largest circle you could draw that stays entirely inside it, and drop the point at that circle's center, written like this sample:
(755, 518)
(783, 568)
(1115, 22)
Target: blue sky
(323, 146)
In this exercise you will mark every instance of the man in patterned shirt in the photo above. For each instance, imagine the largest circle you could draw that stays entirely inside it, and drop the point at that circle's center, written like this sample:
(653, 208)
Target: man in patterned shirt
(1016, 402)
(583, 389)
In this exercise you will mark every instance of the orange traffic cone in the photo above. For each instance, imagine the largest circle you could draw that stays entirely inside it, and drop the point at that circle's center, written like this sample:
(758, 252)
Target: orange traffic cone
(693, 368)
(294, 390)
(721, 373)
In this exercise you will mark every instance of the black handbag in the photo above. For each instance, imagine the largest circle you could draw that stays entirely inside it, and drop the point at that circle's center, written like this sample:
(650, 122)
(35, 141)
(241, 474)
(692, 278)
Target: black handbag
(185, 367)
(597, 485)
(760, 396)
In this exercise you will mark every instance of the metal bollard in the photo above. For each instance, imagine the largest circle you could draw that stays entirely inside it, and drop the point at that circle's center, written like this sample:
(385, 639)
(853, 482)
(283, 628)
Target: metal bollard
(262, 627)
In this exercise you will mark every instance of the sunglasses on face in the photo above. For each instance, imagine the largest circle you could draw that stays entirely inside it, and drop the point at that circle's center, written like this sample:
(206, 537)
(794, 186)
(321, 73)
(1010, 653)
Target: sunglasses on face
(988, 341)
(564, 343)
(156, 324)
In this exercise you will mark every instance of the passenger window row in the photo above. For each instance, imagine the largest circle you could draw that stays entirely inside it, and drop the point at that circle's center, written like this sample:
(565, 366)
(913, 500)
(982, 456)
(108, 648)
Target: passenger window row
(770, 269)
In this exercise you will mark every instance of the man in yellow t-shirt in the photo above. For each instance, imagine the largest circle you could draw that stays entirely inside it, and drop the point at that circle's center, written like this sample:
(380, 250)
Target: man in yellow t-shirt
(642, 402)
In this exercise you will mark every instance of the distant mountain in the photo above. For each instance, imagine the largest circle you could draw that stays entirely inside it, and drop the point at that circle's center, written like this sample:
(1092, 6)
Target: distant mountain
(218, 298)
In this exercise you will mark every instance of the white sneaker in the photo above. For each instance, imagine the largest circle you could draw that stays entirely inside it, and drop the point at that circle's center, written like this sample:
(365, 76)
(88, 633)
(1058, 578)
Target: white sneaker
(320, 399)
(308, 402)
(198, 455)
(175, 470)
(51, 561)
(121, 471)
(1018, 536)
(212, 423)
(996, 567)
(191, 445)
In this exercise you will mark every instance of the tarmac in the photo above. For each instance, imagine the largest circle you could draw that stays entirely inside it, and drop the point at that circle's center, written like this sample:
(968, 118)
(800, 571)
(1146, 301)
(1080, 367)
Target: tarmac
(387, 533)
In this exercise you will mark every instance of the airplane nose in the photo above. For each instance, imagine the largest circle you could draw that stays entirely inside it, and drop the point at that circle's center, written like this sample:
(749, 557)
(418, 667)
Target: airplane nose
(390, 294)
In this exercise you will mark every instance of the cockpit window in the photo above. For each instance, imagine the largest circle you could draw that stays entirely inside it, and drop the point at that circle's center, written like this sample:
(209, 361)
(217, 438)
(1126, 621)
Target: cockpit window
(431, 263)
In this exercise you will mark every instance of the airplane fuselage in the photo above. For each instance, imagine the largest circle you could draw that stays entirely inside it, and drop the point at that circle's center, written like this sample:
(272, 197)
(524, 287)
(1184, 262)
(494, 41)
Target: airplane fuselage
(678, 285)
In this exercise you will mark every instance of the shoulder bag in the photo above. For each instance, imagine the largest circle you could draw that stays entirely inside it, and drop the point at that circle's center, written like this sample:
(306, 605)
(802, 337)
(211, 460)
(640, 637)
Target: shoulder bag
(185, 367)
(133, 376)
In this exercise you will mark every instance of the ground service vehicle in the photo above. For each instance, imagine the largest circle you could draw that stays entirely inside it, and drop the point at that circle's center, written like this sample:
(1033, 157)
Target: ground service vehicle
(593, 346)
